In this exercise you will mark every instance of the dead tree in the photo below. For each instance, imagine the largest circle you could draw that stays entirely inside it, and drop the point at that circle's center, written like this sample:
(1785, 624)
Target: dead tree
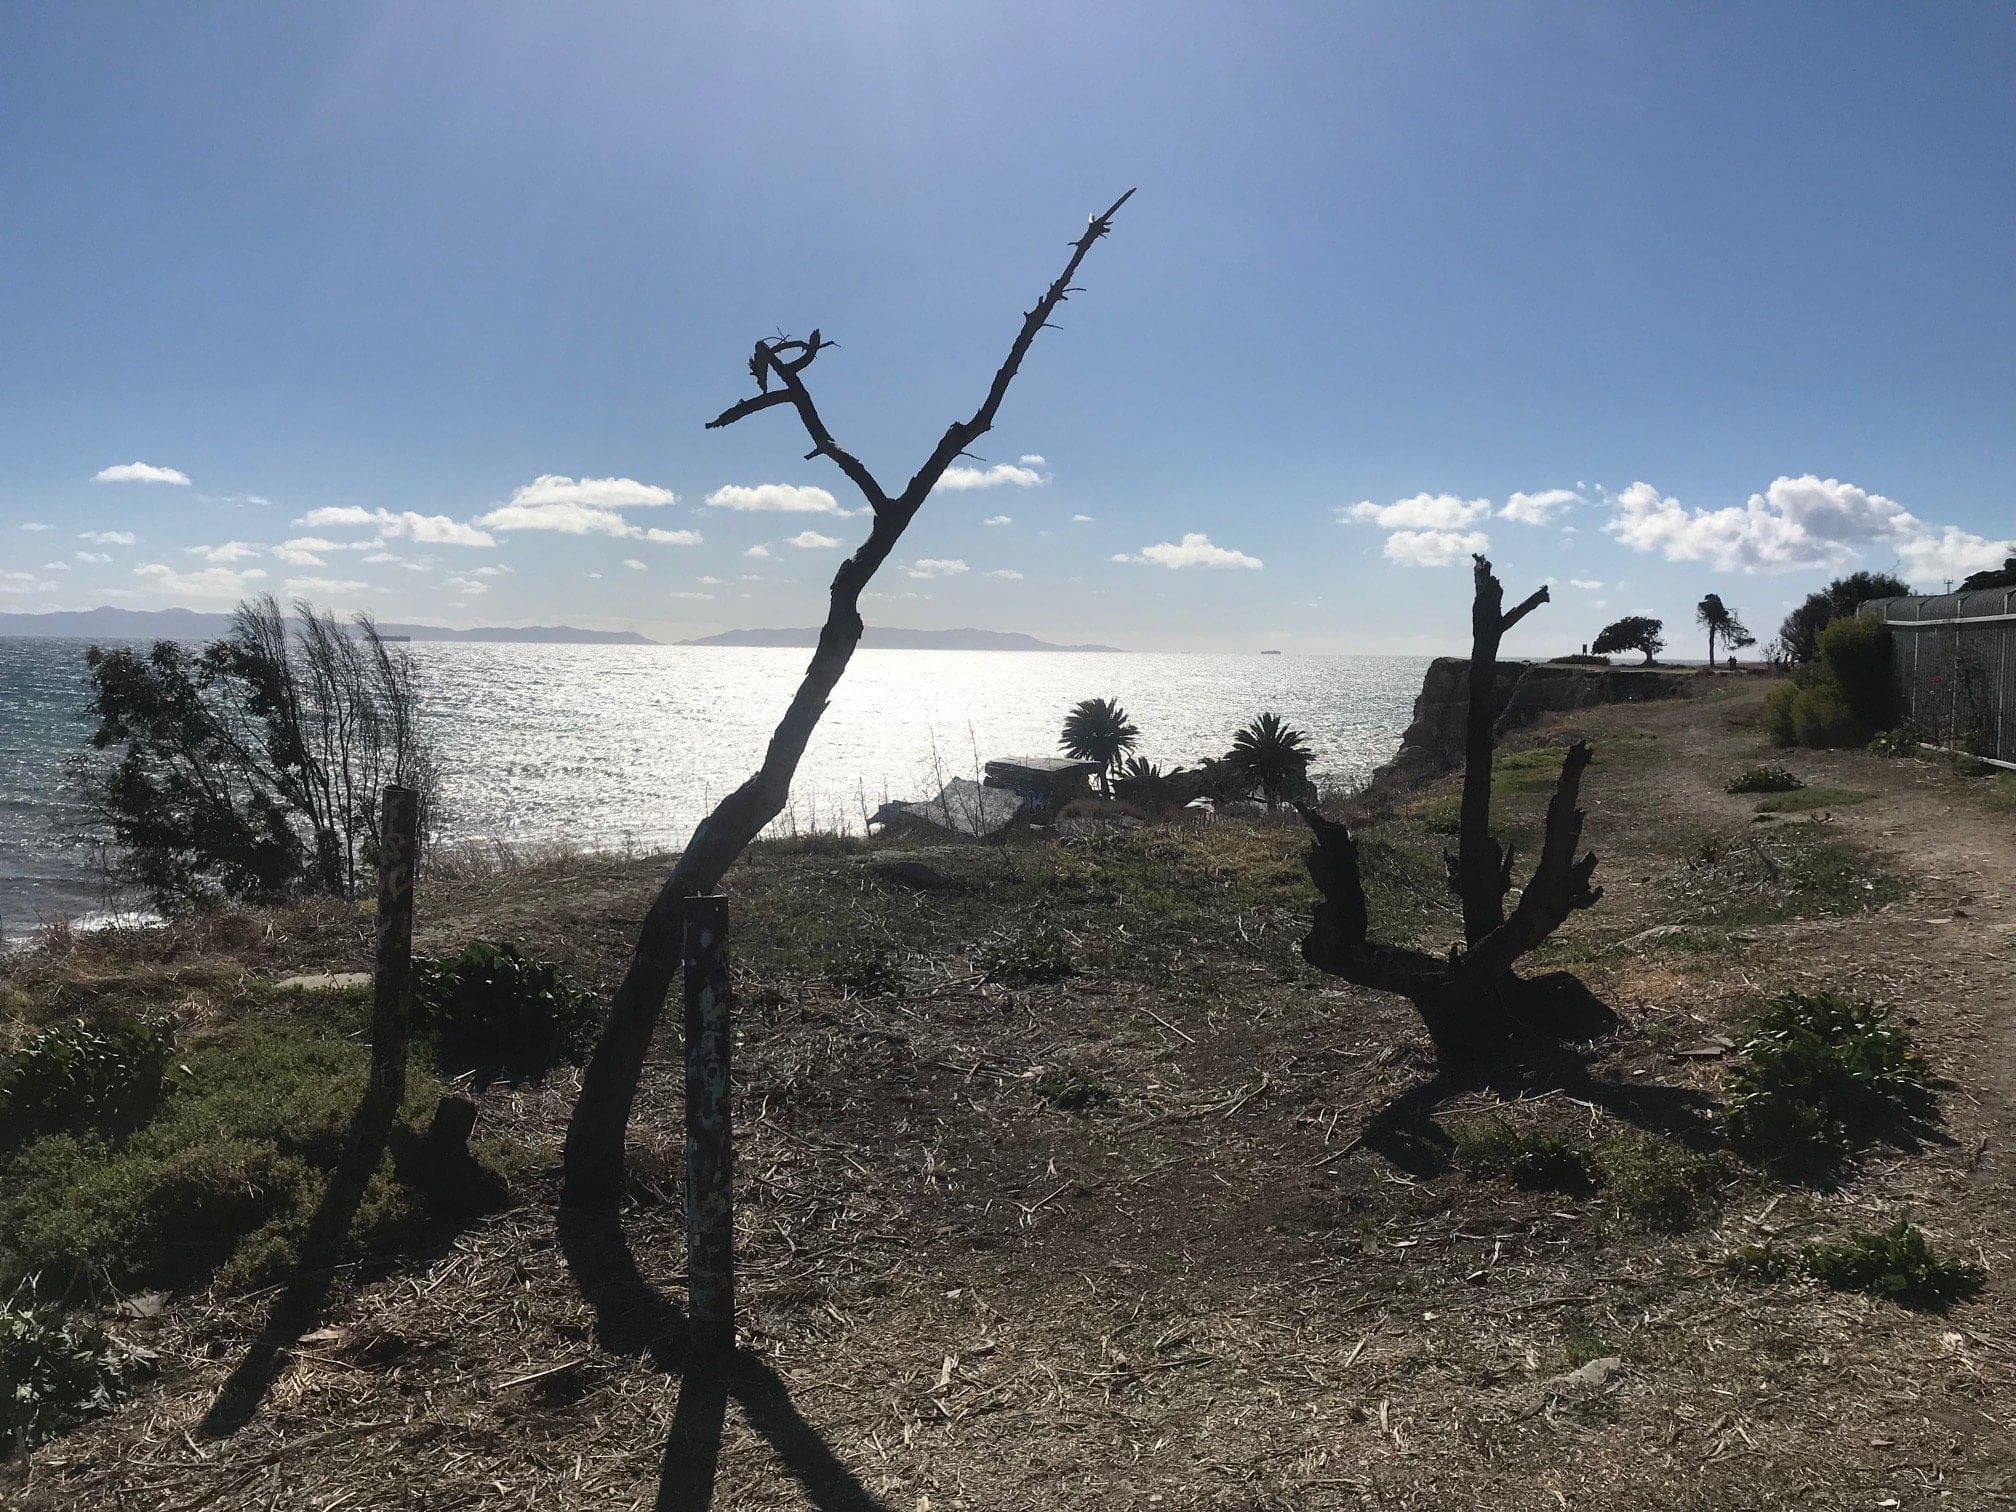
(595, 1133)
(1471, 1001)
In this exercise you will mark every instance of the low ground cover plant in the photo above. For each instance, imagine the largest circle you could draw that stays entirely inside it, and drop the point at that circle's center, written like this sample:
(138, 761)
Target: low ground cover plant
(55, 1372)
(1898, 1264)
(1649, 1182)
(1037, 951)
(219, 1183)
(1818, 1076)
(492, 1008)
(1807, 799)
(1765, 779)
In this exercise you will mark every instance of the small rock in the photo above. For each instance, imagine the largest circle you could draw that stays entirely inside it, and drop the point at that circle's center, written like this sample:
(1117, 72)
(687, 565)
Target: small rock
(1595, 1373)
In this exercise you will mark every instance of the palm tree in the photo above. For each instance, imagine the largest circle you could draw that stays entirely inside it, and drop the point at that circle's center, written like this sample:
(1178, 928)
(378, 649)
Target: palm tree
(1269, 753)
(1098, 730)
(1141, 781)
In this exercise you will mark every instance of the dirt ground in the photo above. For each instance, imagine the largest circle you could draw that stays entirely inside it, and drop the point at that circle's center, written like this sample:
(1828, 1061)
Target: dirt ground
(1130, 1239)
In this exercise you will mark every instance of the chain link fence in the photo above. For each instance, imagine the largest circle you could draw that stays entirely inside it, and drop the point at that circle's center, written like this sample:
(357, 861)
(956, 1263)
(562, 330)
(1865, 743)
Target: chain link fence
(1956, 664)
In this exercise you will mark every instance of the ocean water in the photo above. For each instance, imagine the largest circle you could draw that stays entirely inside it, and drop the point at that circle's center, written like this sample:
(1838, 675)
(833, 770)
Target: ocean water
(616, 745)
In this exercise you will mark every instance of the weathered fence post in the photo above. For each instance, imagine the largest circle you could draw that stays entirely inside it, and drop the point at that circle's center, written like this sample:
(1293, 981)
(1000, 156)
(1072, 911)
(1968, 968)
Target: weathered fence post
(710, 1199)
(398, 839)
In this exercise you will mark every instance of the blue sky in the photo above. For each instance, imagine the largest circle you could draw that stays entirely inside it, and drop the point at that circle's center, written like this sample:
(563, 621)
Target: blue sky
(1661, 299)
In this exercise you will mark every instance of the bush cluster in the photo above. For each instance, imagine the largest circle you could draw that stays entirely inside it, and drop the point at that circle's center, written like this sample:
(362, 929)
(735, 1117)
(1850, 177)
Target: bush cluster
(1648, 1181)
(1897, 1263)
(491, 1008)
(103, 1075)
(1843, 698)
(56, 1372)
(1819, 1075)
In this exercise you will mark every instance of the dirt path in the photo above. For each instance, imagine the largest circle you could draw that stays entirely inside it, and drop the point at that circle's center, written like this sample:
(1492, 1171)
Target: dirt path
(1116, 1241)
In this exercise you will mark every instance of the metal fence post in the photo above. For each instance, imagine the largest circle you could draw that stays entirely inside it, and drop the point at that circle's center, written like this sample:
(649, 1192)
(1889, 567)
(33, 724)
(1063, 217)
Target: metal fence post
(710, 1198)
(398, 840)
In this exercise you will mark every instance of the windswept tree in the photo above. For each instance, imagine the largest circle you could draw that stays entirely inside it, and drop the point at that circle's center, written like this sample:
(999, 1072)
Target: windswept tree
(249, 771)
(1799, 636)
(1634, 632)
(1720, 621)
(1988, 577)
(594, 1151)
(1098, 729)
(1272, 757)
(1471, 1001)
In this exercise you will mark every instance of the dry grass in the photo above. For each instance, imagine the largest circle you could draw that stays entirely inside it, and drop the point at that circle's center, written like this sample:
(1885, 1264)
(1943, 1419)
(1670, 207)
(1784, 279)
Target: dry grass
(1220, 1282)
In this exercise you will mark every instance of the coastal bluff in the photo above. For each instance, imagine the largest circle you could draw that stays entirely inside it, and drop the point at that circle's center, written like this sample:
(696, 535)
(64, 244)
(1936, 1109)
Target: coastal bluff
(1433, 743)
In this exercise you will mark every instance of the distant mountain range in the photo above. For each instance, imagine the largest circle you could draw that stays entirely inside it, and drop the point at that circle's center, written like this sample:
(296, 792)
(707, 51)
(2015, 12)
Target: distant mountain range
(193, 624)
(883, 638)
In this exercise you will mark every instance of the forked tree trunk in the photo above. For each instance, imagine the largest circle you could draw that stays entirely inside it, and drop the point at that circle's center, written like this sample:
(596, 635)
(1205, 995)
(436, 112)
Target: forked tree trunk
(594, 1154)
(1471, 1001)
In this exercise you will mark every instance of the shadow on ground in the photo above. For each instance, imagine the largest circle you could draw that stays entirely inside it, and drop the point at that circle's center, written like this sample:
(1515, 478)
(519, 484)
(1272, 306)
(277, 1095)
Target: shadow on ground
(634, 1317)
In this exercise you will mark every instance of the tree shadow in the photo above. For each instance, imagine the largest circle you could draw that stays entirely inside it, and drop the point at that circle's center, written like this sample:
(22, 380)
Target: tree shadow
(1405, 1131)
(633, 1317)
(300, 1303)
(458, 1188)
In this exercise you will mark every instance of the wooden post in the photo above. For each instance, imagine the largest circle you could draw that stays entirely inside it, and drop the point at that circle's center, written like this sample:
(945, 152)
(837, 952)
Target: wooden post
(398, 840)
(710, 1198)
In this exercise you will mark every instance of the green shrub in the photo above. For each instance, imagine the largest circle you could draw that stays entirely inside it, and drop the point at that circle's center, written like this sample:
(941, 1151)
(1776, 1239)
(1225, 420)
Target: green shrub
(1037, 952)
(491, 1008)
(1819, 1075)
(1073, 1091)
(1659, 1185)
(1897, 1263)
(1765, 779)
(1902, 741)
(103, 1075)
(1821, 718)
(220, 1181)
(1534, 1159)
(1776, 716)
(870, 967)
(55, 1372)
(1855, 650)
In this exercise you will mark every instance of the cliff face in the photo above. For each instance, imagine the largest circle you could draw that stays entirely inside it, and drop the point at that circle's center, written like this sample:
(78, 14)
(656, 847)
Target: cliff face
(1433, 743)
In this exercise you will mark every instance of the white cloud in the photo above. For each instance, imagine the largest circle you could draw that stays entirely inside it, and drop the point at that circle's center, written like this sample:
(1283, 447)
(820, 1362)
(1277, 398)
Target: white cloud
(1081, 519)
(35, 525)
(567, 519)
(1433, 548)
(1950, 553)
(495, 569)
(760, 552)
(205, 583)
(428, 530)
(1538, 508)
(327, 587)
(811, 540)
(937, 567)
(775, 498)
(57, 567)
(673, 537)
(1587, 585)
(305, 551)
(1031, 459)
(141, 472)
(958, 479)
(23, 582)
(1796, 523)
(97, 557)
(468, 587)
(998, 520)
(710, 579)
(225, 554)
(1422, 512)
(1006, 574)
(687, 593)
(595, 493)
(1194, 550)
(634, 565)
(594, 577)
(107, 537)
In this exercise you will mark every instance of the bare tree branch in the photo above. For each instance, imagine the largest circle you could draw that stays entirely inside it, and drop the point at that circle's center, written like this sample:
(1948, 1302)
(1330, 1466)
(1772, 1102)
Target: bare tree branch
(595, 1134)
